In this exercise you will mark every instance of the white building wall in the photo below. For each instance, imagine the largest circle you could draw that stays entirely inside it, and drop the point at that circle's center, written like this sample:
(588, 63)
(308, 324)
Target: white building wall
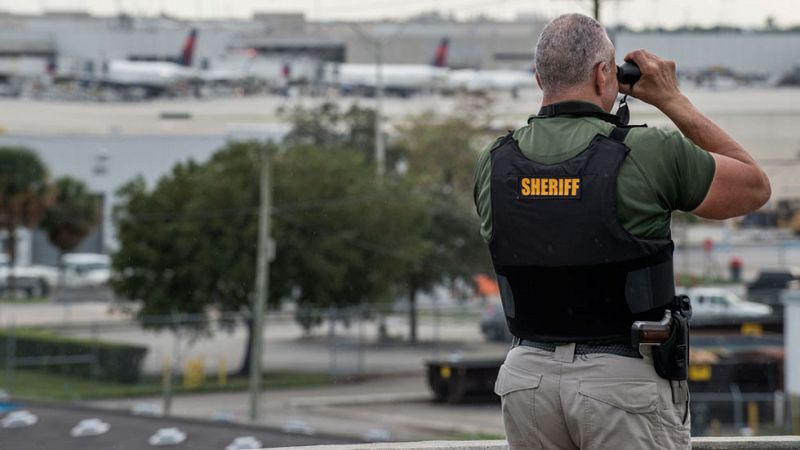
(746, 52)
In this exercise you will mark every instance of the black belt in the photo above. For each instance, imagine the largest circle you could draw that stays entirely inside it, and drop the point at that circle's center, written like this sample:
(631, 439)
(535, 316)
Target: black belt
(586, 349)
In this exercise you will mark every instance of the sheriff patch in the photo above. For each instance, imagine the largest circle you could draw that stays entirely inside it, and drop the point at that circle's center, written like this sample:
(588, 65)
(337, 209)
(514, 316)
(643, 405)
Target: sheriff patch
(549, 187)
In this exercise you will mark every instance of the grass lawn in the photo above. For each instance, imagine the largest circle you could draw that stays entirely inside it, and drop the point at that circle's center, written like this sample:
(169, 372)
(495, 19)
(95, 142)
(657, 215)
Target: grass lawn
(49, 386)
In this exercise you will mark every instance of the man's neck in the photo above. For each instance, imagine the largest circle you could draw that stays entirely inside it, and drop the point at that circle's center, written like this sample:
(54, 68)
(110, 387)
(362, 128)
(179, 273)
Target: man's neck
(571, 97)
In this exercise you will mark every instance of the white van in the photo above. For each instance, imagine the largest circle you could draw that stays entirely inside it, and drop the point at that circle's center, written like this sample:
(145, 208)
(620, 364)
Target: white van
(86, 269)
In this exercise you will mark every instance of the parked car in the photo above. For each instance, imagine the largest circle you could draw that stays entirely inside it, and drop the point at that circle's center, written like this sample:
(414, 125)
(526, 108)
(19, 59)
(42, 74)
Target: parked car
(493, 323)
(769, 285)
(712, 302)
(86, 269)
(30, 281)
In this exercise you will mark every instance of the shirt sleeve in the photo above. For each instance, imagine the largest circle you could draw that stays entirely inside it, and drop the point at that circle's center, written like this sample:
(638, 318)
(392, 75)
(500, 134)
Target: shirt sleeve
(680, 171)
(482, 190)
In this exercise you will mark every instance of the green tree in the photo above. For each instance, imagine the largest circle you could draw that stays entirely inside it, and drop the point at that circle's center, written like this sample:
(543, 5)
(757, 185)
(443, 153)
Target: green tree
(25, 195)
(74, 213)
(440, 154)
(328, 126)
(189, 244)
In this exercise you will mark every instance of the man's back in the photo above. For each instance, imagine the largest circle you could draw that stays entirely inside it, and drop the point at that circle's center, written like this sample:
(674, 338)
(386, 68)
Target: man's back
(663, 172)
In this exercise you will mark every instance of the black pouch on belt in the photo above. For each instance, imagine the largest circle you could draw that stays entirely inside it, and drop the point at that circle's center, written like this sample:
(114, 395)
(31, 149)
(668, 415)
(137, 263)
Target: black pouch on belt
(671, 358)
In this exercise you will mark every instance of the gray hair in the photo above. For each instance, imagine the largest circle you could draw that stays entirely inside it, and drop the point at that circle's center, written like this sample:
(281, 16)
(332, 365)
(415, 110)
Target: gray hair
(568, 49)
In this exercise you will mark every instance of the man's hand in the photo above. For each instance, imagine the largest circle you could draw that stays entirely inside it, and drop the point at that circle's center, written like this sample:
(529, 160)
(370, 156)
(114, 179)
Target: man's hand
(739, 186)
(658, 84)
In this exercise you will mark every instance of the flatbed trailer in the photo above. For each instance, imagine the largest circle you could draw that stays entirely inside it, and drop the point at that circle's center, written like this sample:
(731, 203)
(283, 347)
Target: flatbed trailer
(459, 378)
(454, 380)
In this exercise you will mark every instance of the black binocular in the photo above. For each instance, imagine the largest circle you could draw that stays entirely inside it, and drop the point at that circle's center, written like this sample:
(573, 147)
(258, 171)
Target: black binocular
(628, 73)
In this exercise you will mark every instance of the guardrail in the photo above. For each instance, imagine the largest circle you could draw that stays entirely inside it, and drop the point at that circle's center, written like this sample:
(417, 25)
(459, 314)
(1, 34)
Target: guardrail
(700, 443)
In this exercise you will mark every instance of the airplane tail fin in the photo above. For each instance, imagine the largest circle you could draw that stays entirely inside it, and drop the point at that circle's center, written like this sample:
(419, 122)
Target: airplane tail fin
(440, 57)
(188, 49)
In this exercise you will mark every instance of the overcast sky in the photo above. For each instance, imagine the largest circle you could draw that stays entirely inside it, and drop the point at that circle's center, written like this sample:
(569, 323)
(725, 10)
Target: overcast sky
(634, 13)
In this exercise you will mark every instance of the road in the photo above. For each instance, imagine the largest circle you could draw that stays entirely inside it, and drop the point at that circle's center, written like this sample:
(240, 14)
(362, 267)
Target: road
(399, 405)
(342, 351)
(287, 348)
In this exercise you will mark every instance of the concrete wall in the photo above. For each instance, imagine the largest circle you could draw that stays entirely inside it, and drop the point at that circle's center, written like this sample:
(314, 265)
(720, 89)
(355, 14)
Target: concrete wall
(77, 41)
(706, 443)
(480, 45)
(767, 53)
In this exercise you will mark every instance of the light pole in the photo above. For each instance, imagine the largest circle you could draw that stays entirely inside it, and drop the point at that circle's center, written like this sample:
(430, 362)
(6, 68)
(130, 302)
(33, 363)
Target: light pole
(380, 145)
(265, 255)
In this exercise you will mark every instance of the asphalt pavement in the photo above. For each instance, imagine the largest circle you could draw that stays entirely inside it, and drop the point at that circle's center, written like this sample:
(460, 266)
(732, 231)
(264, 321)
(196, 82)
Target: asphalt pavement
(129, 432)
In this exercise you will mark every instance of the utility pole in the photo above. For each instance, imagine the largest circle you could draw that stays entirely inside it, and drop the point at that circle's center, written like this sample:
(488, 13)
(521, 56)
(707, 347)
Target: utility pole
(266, 252)
(380, 145)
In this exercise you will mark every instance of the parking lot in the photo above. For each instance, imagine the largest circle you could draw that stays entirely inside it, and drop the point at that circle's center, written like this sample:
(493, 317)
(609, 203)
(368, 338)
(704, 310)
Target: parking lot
(128, 432)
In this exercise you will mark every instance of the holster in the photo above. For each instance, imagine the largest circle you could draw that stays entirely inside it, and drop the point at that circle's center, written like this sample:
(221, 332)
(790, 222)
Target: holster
(671, 358)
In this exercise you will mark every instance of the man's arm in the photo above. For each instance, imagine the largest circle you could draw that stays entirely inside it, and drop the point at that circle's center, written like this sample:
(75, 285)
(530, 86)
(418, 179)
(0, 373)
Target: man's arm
(740, 185)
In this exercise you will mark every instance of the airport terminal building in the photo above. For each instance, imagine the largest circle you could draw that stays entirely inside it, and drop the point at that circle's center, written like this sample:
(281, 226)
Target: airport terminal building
(78, 44)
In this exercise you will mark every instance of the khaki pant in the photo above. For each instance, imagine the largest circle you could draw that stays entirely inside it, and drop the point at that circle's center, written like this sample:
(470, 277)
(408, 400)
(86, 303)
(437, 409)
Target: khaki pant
(559, 400)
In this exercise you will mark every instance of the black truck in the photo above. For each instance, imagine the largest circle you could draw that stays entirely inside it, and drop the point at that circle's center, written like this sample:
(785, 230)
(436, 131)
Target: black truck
(769, 285)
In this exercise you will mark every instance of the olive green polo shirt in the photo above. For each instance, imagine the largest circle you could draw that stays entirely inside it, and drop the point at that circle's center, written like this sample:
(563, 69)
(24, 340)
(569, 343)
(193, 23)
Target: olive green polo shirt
(663, 172)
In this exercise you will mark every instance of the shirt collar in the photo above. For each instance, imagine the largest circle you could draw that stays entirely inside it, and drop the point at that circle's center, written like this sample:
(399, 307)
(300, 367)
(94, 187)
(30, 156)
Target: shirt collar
(589, 106)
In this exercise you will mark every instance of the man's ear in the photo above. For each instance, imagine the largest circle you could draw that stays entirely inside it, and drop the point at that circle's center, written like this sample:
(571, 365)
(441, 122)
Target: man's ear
(600, 78)
(538, 81)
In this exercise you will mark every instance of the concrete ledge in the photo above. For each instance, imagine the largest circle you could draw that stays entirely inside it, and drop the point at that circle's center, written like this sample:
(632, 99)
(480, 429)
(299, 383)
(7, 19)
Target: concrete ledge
(424, 445)
(704, 443)
(746, 443)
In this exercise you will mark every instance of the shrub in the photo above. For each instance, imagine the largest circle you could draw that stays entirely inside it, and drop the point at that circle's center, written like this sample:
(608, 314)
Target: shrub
(111, 361)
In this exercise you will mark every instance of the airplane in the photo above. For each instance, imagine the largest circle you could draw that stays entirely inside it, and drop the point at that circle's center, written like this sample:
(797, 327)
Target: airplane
(474, 80)
(154, 77)
(397, 79)
(406, 79)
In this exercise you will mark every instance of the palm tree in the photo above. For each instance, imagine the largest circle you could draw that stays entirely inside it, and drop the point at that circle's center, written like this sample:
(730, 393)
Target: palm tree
(25, 194)
(73, 215)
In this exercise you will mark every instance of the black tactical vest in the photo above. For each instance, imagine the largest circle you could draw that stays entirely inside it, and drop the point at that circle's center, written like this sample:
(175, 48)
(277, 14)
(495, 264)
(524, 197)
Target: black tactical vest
(567, 270)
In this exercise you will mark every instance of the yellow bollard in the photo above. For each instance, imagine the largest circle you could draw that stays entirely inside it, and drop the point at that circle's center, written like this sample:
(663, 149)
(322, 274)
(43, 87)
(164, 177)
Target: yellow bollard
(222, 373)
(752, 417)
(193, 374)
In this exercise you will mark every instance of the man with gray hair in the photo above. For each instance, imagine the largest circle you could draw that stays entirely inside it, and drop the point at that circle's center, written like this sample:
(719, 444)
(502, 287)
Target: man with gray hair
(576, 208)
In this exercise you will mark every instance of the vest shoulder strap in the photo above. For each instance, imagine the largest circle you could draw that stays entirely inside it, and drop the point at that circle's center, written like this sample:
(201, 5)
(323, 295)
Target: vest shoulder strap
(502, 141)
(619, 133)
